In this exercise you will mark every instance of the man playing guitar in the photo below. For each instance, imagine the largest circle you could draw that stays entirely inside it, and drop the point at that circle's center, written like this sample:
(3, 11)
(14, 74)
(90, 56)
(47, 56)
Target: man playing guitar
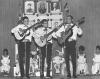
(70, 43)
(24, 45)
(41, 34)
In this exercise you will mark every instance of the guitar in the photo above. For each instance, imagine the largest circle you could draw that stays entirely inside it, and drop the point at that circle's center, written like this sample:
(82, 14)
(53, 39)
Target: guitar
(43, 36)
(21, 33)
(68, 32)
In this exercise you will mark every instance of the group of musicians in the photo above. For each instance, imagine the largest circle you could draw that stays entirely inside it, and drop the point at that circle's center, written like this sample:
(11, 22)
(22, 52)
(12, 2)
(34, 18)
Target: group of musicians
(40, 35)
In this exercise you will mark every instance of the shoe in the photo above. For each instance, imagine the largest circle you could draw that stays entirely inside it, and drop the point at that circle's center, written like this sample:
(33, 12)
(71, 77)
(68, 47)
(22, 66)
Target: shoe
(22, 77)
(48, 76)
(41, 76)
(68, 76)
(28, 77)
(74, 76)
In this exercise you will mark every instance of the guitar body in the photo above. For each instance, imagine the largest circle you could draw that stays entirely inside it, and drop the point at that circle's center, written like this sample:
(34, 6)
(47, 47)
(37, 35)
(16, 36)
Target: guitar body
(22, 32)
(62, 39)
(68, 33)
(40, 42)
(18, 37)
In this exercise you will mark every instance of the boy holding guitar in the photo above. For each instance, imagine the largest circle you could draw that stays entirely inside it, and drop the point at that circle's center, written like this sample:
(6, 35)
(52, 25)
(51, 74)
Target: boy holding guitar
(70, 42)
(46, 47)
(24, 35)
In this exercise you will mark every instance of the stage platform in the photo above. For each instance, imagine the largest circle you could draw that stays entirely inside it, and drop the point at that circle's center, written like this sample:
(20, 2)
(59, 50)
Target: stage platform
(56, 77)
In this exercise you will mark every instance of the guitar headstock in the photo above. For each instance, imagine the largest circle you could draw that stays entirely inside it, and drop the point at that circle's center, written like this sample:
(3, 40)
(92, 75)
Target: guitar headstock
(80, 21)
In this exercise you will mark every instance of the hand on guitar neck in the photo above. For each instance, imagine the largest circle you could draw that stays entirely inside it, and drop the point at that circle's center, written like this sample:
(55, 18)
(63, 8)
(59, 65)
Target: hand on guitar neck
(21, 33)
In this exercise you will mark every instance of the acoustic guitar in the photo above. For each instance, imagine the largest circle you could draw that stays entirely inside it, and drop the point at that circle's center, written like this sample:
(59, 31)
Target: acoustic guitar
(21, 33)
(65, 35)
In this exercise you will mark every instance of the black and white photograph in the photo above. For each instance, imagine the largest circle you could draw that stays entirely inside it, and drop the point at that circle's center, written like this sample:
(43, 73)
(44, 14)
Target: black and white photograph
(42, 7)
(56, 23)
(29, 7)
(55, 7)
(49, 39)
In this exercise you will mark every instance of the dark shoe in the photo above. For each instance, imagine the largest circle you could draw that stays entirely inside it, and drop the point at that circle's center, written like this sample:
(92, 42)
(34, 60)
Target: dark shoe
(68, 76)
(41, 76)
(74, 76)
(28, 77)
(49, 76)
(22, 77)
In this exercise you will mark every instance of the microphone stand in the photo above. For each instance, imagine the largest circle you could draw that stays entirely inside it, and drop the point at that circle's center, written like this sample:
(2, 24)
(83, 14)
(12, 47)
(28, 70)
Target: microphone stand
(64, 43)
(46, 48)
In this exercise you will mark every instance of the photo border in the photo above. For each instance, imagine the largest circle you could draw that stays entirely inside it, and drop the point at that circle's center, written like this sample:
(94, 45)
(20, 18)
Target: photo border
(29, 1)
(46, 3)
(59, 1)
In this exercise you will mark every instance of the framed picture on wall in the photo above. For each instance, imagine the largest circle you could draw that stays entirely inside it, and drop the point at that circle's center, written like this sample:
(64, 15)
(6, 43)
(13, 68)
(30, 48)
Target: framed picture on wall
(31, 22)
(29, 7)
(56, 22)
(55, 7)
(42, 7)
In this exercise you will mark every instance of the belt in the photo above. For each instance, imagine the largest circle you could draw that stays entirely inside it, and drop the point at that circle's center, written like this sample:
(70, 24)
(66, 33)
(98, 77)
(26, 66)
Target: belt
(26, 40)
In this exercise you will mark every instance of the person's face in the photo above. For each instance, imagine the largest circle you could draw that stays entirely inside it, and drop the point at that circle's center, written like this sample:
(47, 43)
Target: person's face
(42, 5)
(81, 52)
(45, 24)
(97, 50)
(56, 24)
(54, 5)
(29, 6)
(68, 20)
(5, 53)
(26, 21)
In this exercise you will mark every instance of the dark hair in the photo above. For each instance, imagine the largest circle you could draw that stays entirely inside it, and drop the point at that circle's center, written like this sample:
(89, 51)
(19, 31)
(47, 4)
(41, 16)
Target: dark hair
(70, 16)
(98, 47)
(5, 50)
(82, 48)
(44, 20)
(25, 17)
(29, 4)
(56, 22)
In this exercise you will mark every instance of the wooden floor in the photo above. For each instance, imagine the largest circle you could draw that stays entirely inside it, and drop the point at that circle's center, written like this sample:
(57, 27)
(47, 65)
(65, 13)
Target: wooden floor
(82, 77)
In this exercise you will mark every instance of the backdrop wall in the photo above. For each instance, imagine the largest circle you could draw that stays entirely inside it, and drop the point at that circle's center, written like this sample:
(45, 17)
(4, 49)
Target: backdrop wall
(90, 9)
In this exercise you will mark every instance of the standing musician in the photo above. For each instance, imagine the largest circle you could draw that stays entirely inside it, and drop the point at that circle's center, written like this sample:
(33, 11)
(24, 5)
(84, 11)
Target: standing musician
(70, 43)
(38, 33)
(24, 46)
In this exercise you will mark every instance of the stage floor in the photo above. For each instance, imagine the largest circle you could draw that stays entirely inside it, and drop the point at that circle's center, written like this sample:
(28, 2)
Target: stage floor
(80, 77)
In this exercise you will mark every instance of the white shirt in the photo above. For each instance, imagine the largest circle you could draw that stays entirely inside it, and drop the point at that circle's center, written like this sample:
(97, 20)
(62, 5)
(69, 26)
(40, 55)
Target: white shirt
(81, 59)
(75, 29)
(40, 31)
(29, 37)
(96, 58)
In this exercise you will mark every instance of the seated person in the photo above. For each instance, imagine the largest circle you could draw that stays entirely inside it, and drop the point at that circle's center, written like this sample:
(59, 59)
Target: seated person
(96, 61)
(5, 61)
(33, 63)
(82, 68)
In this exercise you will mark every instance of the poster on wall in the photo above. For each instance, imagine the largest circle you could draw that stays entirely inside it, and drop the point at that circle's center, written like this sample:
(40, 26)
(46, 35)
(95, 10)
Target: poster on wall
(42, 7)
(55, 7)
(29, 7)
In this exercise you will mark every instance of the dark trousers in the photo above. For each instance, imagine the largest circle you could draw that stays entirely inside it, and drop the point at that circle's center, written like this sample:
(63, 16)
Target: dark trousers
(49, 52)
(70, 51)
(21, 52)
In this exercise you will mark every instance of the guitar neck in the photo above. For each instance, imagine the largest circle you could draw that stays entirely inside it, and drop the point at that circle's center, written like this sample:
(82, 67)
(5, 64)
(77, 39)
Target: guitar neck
(51, 32)
(31, 26)
(54, 29)
(70, 28)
